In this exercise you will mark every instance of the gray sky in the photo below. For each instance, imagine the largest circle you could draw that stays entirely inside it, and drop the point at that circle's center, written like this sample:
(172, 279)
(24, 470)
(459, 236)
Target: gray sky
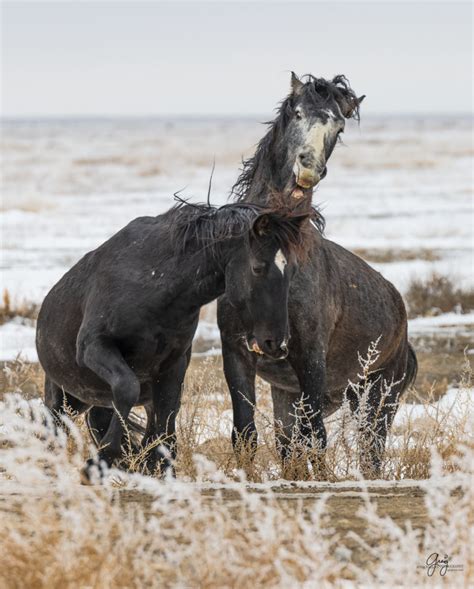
(230, 58)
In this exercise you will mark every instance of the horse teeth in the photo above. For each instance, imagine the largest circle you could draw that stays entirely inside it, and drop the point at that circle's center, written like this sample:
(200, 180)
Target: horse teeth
(256, 349)
(298, 193)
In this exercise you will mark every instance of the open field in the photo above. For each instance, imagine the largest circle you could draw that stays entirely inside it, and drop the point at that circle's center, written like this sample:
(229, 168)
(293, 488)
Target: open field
(255, 528)
(210, 528)
(398, 195)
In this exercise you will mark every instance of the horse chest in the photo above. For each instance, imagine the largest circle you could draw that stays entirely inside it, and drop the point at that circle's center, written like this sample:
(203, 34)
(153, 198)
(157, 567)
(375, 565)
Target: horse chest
(147, 356)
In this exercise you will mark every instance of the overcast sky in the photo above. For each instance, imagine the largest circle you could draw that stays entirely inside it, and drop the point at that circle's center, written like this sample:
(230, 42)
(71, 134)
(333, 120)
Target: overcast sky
(139, 58)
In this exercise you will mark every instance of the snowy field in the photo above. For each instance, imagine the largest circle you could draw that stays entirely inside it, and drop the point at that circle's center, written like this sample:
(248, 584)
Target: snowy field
(399, 189)
(399, 184)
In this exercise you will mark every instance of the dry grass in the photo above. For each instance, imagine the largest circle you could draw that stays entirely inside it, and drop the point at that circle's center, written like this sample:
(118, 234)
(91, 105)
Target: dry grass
(204, 427)
(10, 309)
(387, 256)
(57, 534)
(437, 294)
(23, 377)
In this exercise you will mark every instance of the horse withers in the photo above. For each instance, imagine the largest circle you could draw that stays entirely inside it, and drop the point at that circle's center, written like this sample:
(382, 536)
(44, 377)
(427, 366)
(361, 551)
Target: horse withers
(116, 331)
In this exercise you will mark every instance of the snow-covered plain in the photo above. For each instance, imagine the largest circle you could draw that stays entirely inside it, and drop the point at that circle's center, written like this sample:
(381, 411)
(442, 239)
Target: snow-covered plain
(399, 183)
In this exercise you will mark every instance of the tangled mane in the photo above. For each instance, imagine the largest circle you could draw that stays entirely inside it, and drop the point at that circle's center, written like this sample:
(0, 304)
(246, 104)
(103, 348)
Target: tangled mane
(206, 226)
(316, 90)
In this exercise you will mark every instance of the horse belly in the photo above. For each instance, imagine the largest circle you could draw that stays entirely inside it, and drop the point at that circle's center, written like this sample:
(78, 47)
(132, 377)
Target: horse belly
(278, 373)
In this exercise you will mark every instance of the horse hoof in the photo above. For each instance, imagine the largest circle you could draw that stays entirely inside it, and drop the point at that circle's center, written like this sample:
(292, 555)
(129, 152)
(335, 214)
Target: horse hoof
(93, 472)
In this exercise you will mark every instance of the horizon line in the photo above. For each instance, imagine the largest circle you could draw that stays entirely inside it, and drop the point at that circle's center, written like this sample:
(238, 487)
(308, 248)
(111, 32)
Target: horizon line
(135, 116)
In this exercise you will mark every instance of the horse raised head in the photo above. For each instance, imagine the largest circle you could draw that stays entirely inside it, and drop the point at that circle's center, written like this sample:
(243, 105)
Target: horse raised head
(316, 110)
(291, 158)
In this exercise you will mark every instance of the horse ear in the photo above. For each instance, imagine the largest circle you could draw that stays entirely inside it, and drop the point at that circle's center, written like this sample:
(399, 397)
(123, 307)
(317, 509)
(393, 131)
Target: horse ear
(296, 84)
(349, 105)
(262, 225)
(267, 223)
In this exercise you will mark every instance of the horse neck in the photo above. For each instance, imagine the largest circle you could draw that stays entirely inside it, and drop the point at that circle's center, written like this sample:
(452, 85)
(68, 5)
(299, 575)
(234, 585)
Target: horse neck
(266, 175)
(206, 276)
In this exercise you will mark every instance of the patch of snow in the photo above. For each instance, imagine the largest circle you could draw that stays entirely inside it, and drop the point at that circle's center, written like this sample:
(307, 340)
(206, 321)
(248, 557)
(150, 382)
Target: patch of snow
(16, 338)
(445, 323)
(214, 424)
(453, 405)
(207, 331)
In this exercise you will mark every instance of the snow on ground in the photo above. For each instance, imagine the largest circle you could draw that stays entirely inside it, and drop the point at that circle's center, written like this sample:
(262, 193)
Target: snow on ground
(421, 324)
(454, 404)
(400, 183)
(455, 409)
(17, 337)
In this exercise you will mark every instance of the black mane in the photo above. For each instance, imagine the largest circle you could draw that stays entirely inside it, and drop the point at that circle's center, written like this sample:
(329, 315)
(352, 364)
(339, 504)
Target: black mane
(316, 90)
(207, 226)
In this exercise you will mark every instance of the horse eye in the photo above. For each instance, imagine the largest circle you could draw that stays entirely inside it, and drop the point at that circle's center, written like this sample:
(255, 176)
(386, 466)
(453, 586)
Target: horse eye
(258, 269)
(298, 114)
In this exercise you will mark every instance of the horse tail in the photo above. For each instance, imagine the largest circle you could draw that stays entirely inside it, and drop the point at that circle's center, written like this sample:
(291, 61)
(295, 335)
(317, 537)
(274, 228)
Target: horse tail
(412, 368)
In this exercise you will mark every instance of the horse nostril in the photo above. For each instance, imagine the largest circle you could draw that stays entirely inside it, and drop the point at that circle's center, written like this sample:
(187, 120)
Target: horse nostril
(270, 345)
(306, 159)
(284, 347)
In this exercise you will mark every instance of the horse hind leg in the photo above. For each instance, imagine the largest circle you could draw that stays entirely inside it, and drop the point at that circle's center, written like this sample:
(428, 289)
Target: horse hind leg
(375, 416)
(60, 403)
(291, 435)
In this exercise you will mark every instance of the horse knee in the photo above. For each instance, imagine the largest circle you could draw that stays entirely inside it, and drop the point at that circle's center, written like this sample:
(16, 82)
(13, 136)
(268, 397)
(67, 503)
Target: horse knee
(125, 390)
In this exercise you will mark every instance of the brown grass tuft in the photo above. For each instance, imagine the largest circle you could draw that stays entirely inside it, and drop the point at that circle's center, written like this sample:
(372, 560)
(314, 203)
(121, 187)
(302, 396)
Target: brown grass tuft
(437, 294)
(9, 309)
(387, 256)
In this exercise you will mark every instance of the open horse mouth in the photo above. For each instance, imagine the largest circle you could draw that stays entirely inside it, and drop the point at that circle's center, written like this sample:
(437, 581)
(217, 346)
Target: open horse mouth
(306, 180)
(252, 346)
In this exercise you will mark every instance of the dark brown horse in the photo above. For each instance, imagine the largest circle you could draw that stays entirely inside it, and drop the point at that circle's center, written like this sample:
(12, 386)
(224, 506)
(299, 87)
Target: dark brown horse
(338, 305)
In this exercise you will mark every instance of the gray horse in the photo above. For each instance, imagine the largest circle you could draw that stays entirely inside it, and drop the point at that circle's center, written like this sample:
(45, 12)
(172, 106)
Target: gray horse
(338, 304)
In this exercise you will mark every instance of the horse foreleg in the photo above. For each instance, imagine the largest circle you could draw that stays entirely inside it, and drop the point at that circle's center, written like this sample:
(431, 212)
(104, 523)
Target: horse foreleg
(98, 421)
(240, 372)
(288, 434)
(105, 360)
